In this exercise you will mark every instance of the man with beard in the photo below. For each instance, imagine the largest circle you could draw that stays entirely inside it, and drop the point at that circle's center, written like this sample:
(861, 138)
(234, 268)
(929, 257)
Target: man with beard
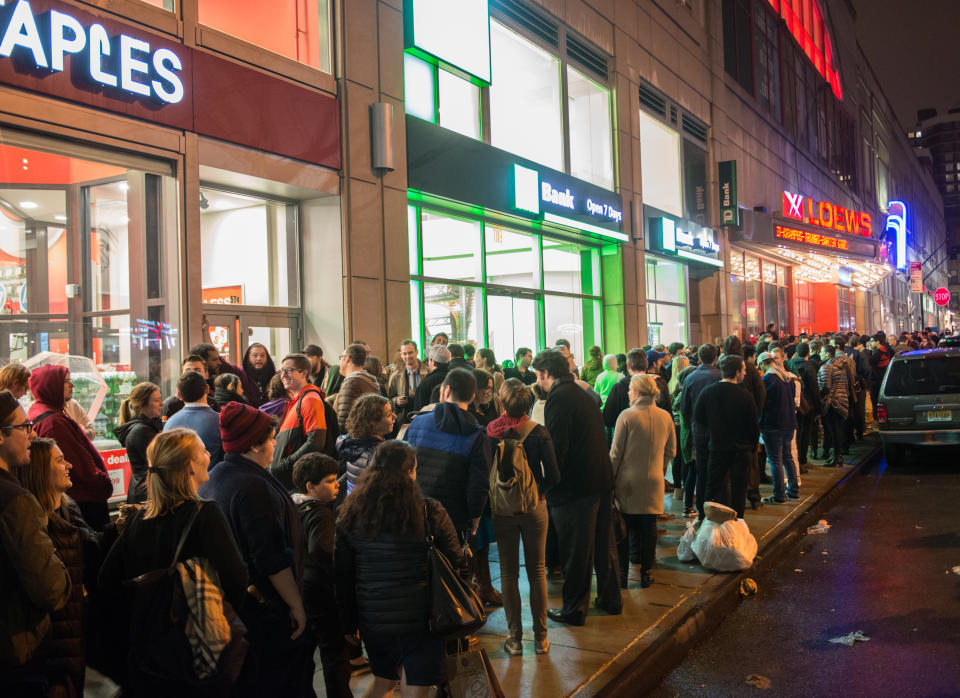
(258, 369)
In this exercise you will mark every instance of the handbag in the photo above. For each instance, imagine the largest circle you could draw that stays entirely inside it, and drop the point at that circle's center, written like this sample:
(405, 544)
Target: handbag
(455, 608)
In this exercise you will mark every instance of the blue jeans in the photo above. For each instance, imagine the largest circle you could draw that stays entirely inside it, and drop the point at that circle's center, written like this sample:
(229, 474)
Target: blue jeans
(780, 458)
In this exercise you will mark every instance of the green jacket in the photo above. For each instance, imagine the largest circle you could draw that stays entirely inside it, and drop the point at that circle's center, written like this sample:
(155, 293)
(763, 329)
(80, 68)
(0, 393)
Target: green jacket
(590, 371)
(33, 579)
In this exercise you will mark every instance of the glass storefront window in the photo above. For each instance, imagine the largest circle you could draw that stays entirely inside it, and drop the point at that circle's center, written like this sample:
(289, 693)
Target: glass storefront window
(591, 156)
(454, 310)
(569, 267)
(666, 323)
(512, 322)
(525, 106)
(116, 313)
(295, 29)
(769, 304)
(753, 308)
(666, 281)
(512, 259)
(450, 247)
(109, 274)
(666, 301)
(661, 183)
(499, 287)
(573, 319)
(248, 250)
(459, 105)
(784, 319)
(420, 97)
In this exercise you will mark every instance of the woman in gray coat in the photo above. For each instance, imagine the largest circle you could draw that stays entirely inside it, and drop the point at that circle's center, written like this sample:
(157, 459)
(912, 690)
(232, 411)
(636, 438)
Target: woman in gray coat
(644, 443)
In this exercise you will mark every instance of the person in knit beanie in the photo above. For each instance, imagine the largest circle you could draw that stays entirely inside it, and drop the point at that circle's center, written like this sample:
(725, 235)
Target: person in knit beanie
(266, 525)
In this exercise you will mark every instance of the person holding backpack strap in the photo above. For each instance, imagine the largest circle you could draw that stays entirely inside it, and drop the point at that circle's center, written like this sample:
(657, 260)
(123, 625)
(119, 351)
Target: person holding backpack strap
(525, 467)
(305, 426)
(174, 525)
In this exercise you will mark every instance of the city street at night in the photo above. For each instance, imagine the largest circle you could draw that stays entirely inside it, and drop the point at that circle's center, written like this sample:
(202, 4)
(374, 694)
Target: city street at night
(889, 567)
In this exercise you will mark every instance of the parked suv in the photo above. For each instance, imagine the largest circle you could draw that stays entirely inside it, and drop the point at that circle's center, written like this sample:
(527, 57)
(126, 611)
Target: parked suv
(919, 401)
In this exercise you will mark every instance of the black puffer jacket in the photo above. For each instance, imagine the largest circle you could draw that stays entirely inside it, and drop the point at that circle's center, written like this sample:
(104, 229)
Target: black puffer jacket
(66, 663)
(135, 436)
(382, 583)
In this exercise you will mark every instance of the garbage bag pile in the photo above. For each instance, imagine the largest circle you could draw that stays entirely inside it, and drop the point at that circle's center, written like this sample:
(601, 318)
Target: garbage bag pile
(723, 543)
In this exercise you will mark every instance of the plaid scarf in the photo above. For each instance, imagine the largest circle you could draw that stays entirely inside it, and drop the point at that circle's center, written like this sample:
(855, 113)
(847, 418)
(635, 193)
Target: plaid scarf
(207, 628)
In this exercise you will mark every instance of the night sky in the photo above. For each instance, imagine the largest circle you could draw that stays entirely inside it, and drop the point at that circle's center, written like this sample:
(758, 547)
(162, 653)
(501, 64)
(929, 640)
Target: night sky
(913, 48)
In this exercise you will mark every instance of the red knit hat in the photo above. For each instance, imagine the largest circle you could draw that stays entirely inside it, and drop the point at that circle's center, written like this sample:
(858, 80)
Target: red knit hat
(242, 427)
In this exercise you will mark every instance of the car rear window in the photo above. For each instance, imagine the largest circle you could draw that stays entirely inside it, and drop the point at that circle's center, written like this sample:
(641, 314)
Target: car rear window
(927, 376)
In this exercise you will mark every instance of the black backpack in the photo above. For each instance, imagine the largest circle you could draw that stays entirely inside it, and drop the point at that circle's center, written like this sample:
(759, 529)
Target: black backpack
(158, 617)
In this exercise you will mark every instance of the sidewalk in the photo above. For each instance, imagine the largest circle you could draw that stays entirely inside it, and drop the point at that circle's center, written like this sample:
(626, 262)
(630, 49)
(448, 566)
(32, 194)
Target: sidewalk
(627, 654)
(598, 659)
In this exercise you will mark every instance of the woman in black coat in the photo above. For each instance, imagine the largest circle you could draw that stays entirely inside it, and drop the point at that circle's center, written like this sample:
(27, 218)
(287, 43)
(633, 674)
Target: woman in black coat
(139, 423)
(178, 465)
(382, 574)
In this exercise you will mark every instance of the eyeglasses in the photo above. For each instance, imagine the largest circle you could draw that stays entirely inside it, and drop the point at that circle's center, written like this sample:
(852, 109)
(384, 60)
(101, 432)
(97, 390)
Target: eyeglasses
(26, 426)
(289, 371)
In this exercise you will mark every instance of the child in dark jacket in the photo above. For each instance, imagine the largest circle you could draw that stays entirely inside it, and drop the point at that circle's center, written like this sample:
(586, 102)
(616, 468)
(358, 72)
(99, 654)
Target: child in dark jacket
(315, 478)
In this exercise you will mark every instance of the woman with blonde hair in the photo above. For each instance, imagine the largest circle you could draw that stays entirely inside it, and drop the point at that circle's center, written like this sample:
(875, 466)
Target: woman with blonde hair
(139, 424)
(15, 377)
(677, 367)
(177, 466)
(643, 445)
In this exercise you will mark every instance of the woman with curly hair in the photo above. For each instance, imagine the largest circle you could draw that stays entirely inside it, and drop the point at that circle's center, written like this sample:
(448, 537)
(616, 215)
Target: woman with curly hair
(371, 419)
(382, 574)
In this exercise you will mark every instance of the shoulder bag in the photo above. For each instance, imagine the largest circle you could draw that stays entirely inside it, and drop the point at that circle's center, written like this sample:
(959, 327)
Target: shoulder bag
(455, 609)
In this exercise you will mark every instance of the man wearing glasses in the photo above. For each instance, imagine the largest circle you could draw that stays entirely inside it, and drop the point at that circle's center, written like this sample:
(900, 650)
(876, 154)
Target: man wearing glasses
(304, 426)
(91, 488)
(33, 580)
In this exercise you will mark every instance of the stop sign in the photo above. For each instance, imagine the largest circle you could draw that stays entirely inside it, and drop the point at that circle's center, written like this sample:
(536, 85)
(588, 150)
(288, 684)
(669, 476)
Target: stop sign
(941, 296)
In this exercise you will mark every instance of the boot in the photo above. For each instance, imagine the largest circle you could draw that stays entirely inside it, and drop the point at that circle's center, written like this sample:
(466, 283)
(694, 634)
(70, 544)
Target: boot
(489, 595)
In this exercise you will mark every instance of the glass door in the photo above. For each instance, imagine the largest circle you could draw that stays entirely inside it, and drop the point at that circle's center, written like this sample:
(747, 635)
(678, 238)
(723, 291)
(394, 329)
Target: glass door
(514, 319)
(222, 330)
(279, 334)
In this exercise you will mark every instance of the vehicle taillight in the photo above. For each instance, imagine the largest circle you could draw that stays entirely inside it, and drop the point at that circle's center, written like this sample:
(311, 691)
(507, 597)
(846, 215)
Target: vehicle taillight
(881, 413)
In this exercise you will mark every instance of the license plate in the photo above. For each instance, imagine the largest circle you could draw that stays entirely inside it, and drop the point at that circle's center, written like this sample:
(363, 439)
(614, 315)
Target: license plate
(939, 415)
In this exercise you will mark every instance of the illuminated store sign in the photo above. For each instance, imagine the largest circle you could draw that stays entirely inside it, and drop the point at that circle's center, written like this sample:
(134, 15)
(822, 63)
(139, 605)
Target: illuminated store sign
(808, 238)
(122, 62)
(534, 194)
(897, 230)
(687, 240)
(826, 215)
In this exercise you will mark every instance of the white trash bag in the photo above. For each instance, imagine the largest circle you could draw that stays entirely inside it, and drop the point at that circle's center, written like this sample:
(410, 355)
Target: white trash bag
(685, 546)
(726, 547)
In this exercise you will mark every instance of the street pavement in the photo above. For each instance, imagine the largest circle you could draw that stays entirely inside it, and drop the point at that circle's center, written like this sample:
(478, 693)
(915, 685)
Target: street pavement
(889, 566)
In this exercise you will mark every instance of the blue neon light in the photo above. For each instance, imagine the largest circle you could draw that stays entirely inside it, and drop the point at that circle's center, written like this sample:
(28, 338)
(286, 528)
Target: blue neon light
(897, 225)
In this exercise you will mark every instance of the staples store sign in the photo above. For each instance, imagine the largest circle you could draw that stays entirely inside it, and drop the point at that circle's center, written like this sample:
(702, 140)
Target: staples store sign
(118, 61)
(826, 215)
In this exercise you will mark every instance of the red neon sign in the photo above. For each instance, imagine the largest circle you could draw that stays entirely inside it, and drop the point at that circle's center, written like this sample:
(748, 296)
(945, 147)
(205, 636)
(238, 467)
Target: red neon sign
(826, 215)
(811, 238)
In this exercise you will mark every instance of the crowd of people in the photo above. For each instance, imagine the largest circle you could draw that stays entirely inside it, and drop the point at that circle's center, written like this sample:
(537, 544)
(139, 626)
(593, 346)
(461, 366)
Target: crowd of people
(303, 493)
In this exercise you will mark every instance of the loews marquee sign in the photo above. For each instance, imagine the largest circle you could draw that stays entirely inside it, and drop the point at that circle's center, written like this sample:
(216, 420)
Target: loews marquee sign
(826, 215)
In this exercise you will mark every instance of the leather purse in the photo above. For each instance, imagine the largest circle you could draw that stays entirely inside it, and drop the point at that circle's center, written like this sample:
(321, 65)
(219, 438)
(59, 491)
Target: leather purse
(455, 609)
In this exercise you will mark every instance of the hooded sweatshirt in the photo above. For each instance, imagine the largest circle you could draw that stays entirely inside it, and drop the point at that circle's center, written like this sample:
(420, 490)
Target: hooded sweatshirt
(91, 482)
(453, 461)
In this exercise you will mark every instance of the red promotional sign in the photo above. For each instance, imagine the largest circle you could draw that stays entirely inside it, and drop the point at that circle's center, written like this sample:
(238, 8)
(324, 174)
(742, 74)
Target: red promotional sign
(826, 215)
(941, 296)
(118, 467)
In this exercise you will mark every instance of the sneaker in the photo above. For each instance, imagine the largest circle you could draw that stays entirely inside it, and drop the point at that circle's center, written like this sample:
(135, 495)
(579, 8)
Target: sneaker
(772, 500)
(513, 647)
(793, 496)
(689, 513)
(542, 646)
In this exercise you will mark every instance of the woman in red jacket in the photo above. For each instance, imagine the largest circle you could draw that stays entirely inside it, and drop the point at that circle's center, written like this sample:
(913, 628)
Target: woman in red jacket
(91, 482)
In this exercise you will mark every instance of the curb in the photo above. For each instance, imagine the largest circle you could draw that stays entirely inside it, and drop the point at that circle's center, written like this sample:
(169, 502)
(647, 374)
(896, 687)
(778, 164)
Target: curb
(657, 651)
